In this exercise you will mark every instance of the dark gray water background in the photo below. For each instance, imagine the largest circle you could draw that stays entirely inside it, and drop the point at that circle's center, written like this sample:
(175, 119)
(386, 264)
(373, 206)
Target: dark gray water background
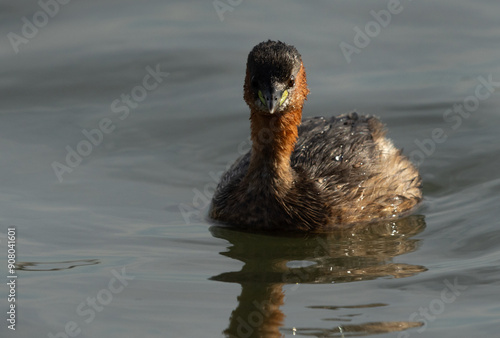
(106, 169)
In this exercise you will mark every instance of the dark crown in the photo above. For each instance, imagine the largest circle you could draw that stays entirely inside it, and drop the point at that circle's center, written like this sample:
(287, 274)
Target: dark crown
(273, 60)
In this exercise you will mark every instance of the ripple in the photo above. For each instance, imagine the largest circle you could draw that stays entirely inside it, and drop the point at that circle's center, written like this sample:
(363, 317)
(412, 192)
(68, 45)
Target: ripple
(55, 266)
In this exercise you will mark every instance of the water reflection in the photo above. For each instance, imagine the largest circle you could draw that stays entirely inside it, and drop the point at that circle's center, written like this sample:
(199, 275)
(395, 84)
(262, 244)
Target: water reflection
(344, 255)
(54, 266)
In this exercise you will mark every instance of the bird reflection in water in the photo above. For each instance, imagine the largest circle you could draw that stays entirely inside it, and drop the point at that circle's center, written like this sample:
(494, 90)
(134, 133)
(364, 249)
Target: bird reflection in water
(356, 253)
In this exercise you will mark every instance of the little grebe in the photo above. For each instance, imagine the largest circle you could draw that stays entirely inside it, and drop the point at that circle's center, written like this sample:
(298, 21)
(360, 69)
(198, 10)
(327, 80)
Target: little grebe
(323, 172)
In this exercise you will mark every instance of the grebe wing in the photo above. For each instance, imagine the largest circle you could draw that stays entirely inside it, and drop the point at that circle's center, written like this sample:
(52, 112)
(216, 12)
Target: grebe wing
(332, 146)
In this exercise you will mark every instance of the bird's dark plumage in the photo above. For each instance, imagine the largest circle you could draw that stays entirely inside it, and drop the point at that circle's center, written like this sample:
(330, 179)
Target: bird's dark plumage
(273, 61)
(310, 175)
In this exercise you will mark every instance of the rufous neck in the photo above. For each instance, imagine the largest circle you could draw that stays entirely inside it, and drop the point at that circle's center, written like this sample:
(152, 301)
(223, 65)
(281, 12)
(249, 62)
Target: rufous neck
(273, 141)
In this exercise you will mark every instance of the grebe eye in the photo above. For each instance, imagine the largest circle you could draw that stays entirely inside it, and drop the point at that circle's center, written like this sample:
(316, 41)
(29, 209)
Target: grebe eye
(254, 83)
(291, 81)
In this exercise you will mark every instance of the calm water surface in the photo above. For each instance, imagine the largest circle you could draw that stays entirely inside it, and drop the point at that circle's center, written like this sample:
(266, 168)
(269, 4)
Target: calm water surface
(117, 118)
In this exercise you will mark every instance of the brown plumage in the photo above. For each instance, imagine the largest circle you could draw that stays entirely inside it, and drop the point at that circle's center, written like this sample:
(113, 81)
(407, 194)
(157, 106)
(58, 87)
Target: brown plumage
(323, 172)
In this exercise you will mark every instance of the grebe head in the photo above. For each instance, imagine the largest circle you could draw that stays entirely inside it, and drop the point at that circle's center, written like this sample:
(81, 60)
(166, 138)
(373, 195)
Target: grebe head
(275, 79)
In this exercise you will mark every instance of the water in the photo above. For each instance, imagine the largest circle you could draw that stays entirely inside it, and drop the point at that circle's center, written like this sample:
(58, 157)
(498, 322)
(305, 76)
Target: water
(117, 243)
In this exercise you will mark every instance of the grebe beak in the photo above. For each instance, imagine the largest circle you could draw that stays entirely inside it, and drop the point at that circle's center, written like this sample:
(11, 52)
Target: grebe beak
(273, 98)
